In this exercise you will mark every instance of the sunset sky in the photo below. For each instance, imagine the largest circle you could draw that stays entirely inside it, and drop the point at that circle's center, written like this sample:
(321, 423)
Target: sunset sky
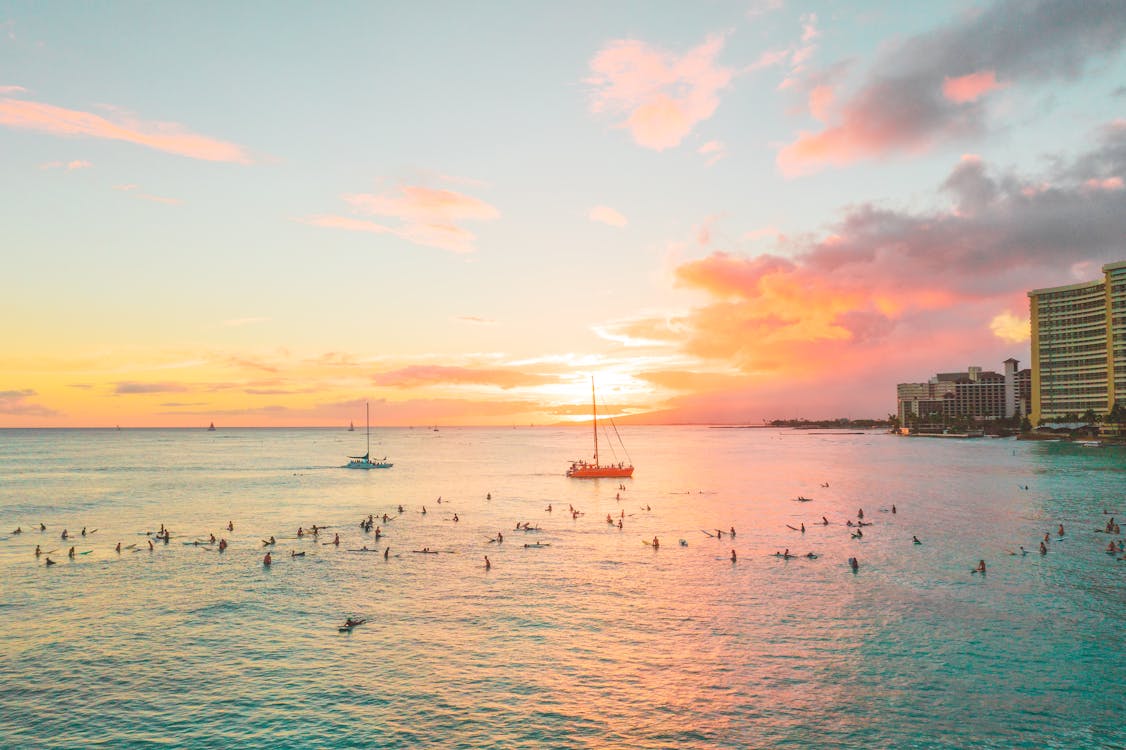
(266, 213)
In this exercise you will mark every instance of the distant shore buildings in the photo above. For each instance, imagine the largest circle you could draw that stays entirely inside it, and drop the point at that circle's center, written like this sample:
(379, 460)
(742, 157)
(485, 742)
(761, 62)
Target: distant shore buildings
(974, 395)
(1079, 348)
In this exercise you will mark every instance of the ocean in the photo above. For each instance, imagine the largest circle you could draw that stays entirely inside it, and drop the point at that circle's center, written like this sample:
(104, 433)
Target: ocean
(592, 638)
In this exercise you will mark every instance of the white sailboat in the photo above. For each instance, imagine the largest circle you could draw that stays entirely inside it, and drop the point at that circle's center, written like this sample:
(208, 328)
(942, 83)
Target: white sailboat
(364, 461)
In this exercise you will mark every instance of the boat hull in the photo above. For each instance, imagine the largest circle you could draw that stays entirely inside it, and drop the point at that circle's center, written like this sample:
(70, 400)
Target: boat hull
(368, 465)
(589, 471)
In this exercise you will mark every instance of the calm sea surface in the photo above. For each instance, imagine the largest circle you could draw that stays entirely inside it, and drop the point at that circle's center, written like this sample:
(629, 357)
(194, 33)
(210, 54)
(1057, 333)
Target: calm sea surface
(595, 641)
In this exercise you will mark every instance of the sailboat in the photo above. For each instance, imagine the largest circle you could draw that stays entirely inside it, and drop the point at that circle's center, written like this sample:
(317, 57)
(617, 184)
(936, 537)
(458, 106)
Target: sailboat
(584, 470)
(364, 461)
(351, 427)
(211, 428)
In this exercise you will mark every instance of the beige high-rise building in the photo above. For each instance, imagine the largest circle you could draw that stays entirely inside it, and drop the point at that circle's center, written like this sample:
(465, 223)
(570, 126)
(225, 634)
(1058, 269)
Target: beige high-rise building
(1079, 346)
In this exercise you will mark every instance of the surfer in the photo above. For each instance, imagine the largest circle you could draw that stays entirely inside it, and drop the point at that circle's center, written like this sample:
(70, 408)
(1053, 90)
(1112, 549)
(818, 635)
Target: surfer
(350, 623)
(424, 510)
(294, 553)
(50, 561)
(42, 526)
(980, 567)
(18, 530)
(915, 539)
(824, 521)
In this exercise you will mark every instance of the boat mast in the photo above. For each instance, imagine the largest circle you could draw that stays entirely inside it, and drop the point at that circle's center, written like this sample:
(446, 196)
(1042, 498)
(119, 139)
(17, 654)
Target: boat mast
(367, 423)
(594, 423)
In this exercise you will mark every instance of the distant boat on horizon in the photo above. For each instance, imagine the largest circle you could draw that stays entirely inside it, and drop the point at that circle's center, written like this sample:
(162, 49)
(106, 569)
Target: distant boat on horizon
(364, 461)
(211, 428)
(351, 427)
(583, 470)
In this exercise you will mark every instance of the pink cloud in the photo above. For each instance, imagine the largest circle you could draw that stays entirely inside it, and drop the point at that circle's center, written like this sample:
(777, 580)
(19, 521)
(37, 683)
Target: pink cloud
(662, 95)
(608, 216)
(69, 165)
(712, 151)
(426, 216)
(18, 403)
(820, 99)
(1106, 183)
(12, 90)
(970, 87)
(162, 136)
(416, 376)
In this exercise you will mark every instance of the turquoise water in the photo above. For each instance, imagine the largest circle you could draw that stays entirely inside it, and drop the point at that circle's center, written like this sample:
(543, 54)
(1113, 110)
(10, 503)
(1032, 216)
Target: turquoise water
(597, 640)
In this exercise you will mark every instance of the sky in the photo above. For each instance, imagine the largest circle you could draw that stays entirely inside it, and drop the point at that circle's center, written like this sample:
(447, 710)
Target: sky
(270, 213)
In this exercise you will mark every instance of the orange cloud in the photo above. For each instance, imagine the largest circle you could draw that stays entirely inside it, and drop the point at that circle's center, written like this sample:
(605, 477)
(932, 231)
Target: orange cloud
(662, 95)
(416, 376)
(427, 216)
(1010, 328)
(970, 87)
(162, 136)
(608, 216)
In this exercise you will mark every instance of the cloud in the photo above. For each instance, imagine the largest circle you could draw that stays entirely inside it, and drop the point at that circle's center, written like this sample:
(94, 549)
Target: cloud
(932, 87)
(475, 319)
(885, 294)
(762, 7)
(12, 90)
(159, 199)
(17, 403)
(662, 96)
(970, 87)
(69, 165)
(163, 136)
(130, 387)
(416, 376)
(1010, 328)
(426, 216)
(608, 216)
(712, 151)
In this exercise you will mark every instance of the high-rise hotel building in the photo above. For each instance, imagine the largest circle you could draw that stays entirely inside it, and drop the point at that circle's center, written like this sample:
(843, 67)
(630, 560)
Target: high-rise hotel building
(1079, 346)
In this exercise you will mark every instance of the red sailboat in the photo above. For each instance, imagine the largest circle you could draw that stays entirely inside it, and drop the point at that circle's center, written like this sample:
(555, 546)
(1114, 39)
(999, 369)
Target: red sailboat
(584, 470)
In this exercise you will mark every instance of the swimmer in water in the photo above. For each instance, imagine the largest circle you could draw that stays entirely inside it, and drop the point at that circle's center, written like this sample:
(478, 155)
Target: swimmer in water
(488, 496)
(860, 514)
(656, 542)
(50, 561)
(42, 526)
(230, 525)
(732, 532)
(455, 518)
(733, 556)
(39, 552)
(267, 560)
(1060, 532)
(1043, 548)
(151, 547)
(803, 527)
(64, 535)
(222, 544)
(18, 530)
(619, 523)
(386, 552)
(854, 564)
(116, 549)
(300, 532)
(487, 563)
(336, 540)
(893, 508)
(424, 510)
(71, 553)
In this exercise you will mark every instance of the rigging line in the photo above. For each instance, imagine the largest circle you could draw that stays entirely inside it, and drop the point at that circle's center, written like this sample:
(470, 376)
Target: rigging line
(621, 442)
(608, 441)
